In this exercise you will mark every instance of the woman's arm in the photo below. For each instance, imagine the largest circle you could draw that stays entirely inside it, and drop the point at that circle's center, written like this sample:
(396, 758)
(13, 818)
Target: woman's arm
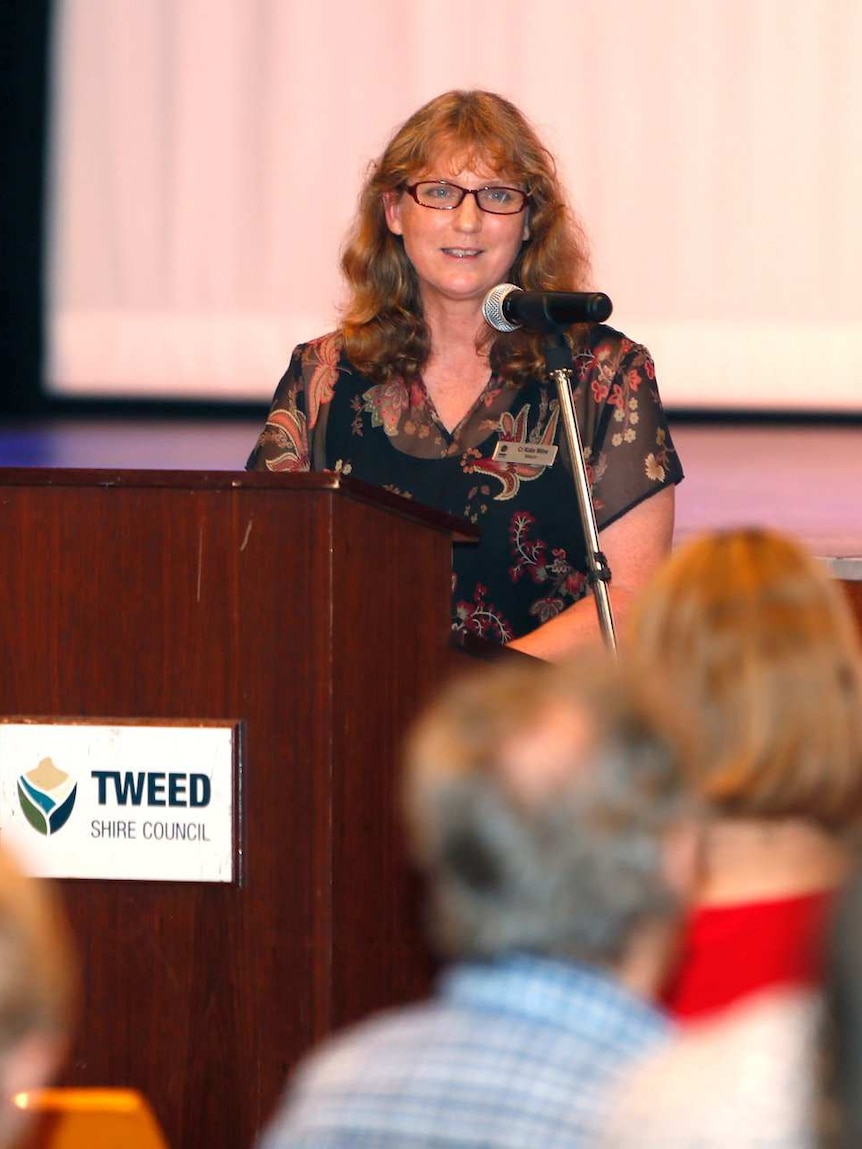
(634, 547)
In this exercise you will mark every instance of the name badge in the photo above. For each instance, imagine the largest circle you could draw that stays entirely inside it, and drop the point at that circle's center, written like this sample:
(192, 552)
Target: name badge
(534, 454)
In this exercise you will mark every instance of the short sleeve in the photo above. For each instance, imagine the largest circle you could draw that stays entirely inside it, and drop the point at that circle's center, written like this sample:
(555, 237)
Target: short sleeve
(628, 447)
(283, 443)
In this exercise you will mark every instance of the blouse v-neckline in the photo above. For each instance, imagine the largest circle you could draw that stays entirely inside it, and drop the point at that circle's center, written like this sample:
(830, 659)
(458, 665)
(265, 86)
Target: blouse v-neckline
(452, 435)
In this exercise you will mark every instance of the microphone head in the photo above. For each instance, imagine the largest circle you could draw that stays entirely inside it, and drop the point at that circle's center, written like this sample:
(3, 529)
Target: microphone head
(492, 307)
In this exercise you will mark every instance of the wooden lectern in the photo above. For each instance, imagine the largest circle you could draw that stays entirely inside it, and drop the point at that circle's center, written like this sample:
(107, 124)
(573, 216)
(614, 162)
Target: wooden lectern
(314, 611)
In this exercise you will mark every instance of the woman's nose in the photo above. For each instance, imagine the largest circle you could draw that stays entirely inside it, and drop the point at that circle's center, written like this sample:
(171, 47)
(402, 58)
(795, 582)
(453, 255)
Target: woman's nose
(468, 214)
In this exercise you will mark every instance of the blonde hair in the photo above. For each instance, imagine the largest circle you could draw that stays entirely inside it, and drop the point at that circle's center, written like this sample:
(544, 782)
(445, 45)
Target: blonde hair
(759, 645)
(383, 326)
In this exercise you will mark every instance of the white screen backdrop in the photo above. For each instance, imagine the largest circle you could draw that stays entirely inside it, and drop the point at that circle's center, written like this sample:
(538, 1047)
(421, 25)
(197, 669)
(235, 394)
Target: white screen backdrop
(207, 154)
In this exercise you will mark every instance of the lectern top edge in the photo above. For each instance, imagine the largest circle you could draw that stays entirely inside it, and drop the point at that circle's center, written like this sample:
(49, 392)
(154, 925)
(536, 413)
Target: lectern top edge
(324, 481)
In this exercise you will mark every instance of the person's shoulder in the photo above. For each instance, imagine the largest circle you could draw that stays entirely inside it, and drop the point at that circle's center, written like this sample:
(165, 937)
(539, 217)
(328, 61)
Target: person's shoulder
(606, 342)
(747, 1064)
(323, 349)
(315, 367)
(761, 1044)
(762, 1019)
(381, 1037)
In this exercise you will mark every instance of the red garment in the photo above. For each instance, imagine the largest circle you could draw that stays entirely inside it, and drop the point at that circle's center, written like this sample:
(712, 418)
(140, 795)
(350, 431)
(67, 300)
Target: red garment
(731, 951)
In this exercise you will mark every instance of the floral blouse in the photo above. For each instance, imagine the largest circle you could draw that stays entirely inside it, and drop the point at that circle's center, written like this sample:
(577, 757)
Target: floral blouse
(498, 468)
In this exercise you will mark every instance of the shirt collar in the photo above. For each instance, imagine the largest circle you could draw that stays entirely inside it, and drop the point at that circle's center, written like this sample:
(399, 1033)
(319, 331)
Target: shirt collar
(565, 994)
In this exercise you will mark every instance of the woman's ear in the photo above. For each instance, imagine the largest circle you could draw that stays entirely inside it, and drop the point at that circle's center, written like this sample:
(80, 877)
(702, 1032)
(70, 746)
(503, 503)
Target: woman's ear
(392, 210)
(525, 234)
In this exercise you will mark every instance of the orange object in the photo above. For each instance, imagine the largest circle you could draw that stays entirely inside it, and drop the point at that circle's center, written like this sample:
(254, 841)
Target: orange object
(91, 1119)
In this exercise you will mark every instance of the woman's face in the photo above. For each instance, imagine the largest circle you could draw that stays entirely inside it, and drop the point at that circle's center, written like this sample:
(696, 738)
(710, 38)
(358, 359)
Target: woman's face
(458, 255)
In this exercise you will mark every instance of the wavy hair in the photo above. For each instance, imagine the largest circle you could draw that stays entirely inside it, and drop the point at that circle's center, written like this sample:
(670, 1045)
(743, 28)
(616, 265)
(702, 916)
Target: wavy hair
(385, 333)
(759, 645)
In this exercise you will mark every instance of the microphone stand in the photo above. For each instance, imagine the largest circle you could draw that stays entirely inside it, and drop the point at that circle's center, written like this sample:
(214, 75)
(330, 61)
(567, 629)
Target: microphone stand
(558, 359)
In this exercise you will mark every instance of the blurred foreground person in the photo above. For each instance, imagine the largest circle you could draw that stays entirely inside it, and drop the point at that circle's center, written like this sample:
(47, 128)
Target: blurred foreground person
(759, 647)
(841, 1115)
(37, 991)
(781, 1069)
(549, 815)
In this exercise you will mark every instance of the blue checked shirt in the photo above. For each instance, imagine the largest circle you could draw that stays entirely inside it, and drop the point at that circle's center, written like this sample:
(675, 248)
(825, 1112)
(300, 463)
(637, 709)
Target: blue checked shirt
(516, 1053)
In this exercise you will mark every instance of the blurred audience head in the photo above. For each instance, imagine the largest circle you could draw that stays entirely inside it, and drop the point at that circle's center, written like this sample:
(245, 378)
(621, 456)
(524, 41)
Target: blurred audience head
(758, 644)
(37, 988)
(549, 812)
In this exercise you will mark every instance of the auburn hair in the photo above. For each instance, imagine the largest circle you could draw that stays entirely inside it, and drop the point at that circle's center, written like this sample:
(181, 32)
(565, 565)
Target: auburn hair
(384, 330)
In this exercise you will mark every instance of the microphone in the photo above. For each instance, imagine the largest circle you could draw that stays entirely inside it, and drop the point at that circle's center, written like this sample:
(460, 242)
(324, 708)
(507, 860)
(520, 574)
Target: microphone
(507, 307)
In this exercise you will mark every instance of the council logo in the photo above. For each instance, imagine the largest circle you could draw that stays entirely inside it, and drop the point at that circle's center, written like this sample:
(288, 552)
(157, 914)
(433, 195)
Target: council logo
(47, 797)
